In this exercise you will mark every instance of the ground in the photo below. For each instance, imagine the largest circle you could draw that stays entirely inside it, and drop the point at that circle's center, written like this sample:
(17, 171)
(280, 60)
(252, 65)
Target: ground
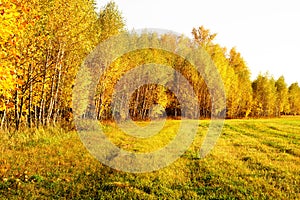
(253, 159)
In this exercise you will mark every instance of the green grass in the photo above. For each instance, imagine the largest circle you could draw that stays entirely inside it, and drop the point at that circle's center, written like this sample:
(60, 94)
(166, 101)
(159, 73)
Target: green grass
(253, 159)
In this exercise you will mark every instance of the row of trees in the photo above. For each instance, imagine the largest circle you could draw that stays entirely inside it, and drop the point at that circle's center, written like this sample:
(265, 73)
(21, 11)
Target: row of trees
(42, 45)
(44, 42)
(274, 98)
(264, 97)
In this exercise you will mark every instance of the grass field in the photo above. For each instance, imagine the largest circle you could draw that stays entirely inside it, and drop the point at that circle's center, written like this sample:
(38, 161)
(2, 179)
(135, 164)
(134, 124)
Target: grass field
(253, 159)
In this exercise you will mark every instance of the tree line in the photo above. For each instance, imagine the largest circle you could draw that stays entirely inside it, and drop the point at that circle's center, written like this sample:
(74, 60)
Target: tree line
(263, 97)
(43, 43)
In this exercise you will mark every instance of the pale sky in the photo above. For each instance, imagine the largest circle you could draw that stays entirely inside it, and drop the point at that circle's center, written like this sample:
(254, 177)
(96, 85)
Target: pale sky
(265, 32)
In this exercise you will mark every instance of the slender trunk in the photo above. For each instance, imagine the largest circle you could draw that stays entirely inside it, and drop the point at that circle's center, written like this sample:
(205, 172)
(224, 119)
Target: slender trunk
(30, 95)
(136, 103)
(41, 117)
(35, 116)
(55, 100)
(21, 110)
(145, 103)
(3, 119)
(17, 115)
(51, 102)
(54, 95)
(41, 111)
(56, 104)
(55, 116)
(99, 107)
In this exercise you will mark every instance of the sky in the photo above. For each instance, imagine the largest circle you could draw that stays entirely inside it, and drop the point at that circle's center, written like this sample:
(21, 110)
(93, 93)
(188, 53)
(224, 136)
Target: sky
(265, 32)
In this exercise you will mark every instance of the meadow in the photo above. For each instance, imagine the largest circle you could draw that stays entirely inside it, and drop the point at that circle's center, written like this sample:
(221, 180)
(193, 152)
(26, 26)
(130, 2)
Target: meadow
(253, 159)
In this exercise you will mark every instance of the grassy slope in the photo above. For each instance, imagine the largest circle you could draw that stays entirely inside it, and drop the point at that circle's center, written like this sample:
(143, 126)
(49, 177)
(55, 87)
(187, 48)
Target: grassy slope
(257, 159)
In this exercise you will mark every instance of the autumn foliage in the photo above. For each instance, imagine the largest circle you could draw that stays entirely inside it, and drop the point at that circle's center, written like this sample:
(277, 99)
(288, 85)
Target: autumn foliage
(44, 43)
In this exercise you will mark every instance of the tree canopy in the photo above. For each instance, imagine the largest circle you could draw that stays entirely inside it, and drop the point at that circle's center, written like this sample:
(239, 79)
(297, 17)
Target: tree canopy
(43, 44)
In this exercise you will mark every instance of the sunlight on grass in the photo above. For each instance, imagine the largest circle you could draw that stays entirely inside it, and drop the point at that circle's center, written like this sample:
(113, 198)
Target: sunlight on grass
(143, 145)
(253, 159)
